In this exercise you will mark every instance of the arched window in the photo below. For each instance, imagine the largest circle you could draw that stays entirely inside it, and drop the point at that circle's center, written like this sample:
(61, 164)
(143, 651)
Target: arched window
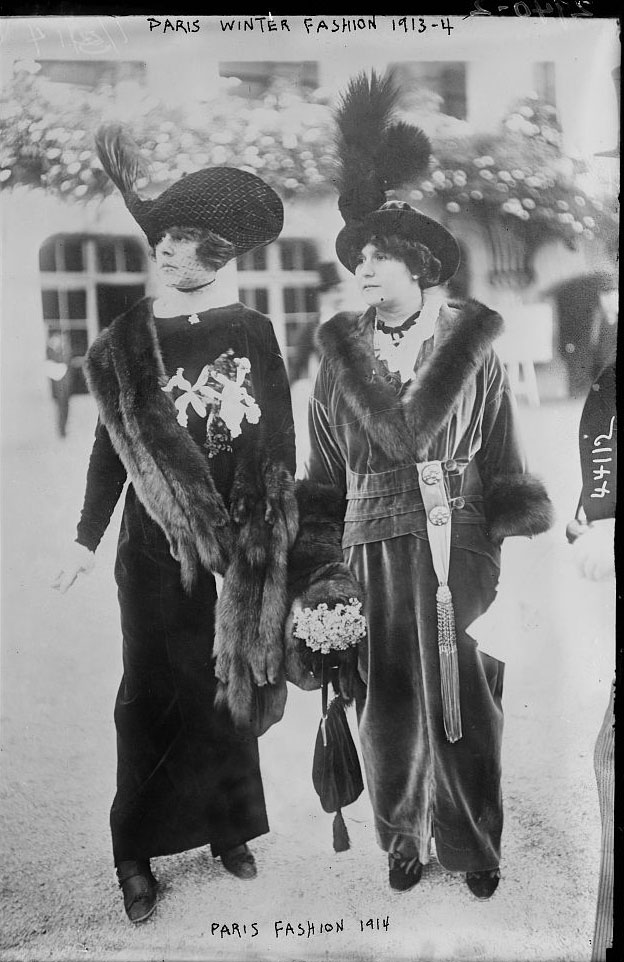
(281, 280)
(86, 281)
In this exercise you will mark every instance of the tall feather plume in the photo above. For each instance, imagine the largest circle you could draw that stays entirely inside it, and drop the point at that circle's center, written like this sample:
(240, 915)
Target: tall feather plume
(120, 157)
(405, 155)
(374, 153)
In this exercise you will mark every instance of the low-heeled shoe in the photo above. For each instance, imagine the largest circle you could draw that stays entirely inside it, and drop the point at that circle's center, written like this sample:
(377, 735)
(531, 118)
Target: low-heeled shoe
(139, 889)
(240, 862)
(483, 884)
(403, 873)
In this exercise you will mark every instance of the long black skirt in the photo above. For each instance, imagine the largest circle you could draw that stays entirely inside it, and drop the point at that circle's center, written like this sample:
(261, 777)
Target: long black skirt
(185, 776)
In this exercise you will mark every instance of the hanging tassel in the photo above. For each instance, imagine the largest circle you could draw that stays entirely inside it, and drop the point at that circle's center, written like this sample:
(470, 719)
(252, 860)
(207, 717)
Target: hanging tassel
(342, 842)
(449, 667)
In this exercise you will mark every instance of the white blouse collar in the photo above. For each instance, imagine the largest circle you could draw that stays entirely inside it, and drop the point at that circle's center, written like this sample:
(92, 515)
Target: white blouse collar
(402, 356)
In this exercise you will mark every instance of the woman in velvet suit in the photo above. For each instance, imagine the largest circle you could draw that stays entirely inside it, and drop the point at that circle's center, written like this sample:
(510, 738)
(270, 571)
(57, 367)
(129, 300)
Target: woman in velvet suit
(413, 419)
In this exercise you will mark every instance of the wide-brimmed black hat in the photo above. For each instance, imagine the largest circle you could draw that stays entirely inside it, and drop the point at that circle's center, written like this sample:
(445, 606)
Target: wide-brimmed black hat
(375, 154)
(232, 203)
(399, 218)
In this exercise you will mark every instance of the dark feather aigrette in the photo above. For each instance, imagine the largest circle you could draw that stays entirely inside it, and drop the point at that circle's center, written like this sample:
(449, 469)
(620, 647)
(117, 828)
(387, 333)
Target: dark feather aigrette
(405, 156)
(363, 115)
(375, 153)
(120, 157)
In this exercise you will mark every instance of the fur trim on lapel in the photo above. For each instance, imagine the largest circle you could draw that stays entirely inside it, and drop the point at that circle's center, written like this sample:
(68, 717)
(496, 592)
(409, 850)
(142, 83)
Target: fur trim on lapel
(171, 476)
(517, 505)
(409, 423)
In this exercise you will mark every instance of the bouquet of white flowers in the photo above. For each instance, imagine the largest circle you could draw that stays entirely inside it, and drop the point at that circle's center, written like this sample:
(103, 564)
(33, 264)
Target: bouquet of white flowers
(327, 630)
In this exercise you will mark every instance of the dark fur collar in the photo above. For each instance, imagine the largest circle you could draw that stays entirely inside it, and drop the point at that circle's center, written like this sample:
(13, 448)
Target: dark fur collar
(463, 338)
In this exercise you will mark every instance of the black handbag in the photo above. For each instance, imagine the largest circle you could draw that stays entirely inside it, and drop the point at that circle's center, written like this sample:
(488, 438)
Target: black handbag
(336, 772)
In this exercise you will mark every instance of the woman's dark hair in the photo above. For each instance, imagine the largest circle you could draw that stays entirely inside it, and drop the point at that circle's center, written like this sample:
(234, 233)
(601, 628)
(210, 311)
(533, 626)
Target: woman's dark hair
(416, 256)
(213, 251)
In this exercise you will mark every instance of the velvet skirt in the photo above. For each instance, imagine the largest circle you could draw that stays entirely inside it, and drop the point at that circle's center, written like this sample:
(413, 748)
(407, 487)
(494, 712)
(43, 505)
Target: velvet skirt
(422, 786)
(185, 776)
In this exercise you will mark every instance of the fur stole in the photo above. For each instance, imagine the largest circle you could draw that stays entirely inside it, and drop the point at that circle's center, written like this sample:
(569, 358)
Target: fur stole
(406, 427)
(247, 542)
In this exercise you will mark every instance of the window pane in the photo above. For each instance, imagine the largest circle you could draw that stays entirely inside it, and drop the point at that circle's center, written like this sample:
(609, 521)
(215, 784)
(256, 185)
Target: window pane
(76, 305)
(262, 301)
(311, 300)
(310, 259)
(259, 259)
(91, 73)
(46, 257)
(253, 261)
(72, 253)
(422, 80)
(291, 300)
(50, 305)
(544, 81)
(79, 342)
(245, 262)
(134, 257)
(106, 256)
(298, 255)
(256, 298)
(257, 76)
(288, 252)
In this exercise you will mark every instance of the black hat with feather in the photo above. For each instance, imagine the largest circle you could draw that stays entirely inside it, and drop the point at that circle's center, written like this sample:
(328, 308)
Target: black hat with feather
(232, 203)
(377, 154)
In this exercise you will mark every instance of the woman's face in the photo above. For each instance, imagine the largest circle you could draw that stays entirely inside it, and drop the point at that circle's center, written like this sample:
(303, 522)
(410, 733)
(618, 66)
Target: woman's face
(178, 265)
(382, 279)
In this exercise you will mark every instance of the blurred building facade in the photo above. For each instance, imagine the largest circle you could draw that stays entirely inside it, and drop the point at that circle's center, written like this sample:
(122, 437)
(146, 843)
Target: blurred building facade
(72, 268)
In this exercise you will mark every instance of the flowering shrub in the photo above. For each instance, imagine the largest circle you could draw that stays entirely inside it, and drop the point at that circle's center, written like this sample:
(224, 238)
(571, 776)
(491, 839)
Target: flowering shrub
(518, 175)
(47, 140)
(326, 629)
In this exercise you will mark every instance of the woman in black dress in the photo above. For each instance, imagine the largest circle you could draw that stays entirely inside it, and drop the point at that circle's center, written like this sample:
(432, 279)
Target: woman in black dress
(194, 411)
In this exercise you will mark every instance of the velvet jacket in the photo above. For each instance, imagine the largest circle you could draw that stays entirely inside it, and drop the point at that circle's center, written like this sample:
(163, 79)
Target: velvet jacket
(367, 434)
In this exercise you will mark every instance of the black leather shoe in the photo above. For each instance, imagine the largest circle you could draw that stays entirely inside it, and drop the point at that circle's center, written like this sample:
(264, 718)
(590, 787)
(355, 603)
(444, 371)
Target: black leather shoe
(483, 884)
(403, 873)
(139, 889)
(240, 862)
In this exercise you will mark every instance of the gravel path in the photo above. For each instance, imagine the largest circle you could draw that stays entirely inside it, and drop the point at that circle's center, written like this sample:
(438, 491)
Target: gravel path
(61, 666)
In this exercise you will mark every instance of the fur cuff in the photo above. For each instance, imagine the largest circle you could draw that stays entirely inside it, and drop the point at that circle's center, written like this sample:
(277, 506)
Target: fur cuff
(517, 505)
(319, 539)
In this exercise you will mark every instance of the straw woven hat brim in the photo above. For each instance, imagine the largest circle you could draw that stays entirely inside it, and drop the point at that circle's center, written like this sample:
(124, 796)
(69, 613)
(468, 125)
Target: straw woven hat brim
(408, 223)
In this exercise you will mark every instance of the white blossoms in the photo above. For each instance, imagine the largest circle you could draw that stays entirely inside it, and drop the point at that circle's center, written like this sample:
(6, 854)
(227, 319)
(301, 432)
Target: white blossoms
(328, 629)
